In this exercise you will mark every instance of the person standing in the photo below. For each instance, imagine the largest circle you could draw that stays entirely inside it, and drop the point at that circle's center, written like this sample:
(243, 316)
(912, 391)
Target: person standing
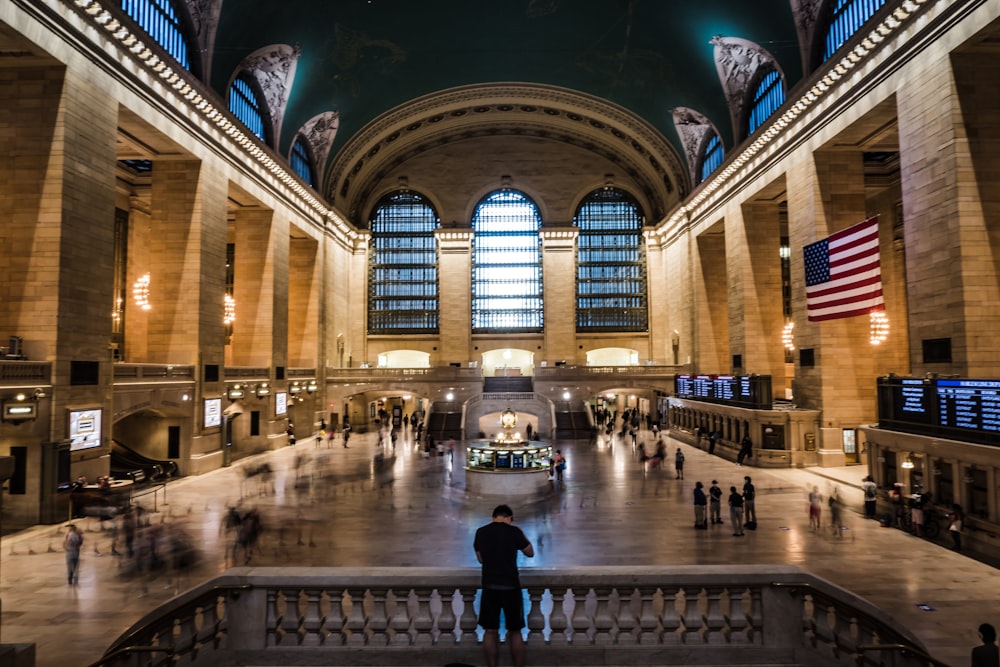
(712, 437)
(560, 464)
(700, 504)
(746, 450)
(736, 511)
(749, 502)
(871, 494)
(987, 655)
(815, 509)
(955, 520)
(835, 520)
(715, 502)
(71, 545)
(496, 545)
(679, 463)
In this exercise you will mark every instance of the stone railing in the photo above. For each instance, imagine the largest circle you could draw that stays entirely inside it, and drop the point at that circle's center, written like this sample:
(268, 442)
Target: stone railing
(749, 615)
(141, 373)
(25, 372)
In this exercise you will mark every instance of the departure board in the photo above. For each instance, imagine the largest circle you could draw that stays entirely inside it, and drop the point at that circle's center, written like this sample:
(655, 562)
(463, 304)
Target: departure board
(958, 409)
(745, 391)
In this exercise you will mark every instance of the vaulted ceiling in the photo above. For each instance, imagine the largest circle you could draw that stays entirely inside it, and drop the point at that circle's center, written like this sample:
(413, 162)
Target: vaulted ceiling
(599, 74)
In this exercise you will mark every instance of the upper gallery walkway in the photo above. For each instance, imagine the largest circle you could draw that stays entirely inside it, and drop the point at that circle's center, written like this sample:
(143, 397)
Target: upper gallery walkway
(333, 506)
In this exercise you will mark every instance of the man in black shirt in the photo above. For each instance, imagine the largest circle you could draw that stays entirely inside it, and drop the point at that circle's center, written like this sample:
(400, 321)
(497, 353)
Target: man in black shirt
(496, 545)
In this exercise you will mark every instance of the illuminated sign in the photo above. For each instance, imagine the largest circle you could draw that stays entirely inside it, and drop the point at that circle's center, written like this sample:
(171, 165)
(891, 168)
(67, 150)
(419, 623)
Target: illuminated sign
(18, 410)
(280, 403)
(213, 412)
(84, 429)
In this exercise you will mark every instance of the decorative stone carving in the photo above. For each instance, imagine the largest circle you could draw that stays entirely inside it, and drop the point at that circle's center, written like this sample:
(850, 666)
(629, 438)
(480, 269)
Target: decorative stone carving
(273, 67)
(205, 19)
(693, 128)
(805, 13)
(738, 61)
(319, 132)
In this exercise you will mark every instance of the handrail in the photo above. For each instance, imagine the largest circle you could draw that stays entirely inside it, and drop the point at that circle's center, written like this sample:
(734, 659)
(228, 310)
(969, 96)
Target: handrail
(902, 648)
(127, 650)
(165, 613)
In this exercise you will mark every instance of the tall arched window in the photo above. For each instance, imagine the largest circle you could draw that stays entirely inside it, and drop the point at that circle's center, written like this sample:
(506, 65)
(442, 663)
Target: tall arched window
(402, 266)
(769, 95)
(506, 264)
(301, 161)
(162, 22)
(846, 17)
(610, 264)
(246, 104)
(711, 157)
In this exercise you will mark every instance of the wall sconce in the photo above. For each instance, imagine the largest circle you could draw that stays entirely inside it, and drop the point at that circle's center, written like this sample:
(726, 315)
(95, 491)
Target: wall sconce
(140, 292)
(263, 389)
(235, 392)
(907, 464)
(878, 328)
(294, 388)
(228, 315)
(20, 409)
(788, 336)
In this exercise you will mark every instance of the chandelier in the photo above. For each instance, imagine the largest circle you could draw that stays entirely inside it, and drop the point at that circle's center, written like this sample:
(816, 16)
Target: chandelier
(140, 292)
(879, 328)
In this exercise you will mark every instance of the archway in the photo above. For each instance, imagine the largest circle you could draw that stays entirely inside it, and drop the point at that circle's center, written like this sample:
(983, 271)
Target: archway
(508, 362)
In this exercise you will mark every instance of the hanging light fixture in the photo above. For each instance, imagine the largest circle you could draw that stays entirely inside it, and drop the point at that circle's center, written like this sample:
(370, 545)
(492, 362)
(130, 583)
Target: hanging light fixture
(140, 292)
(907, 464)
(879, 328)
(788, 336)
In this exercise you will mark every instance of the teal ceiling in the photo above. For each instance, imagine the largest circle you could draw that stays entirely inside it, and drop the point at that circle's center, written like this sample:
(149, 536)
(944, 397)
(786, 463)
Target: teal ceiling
(364, 57)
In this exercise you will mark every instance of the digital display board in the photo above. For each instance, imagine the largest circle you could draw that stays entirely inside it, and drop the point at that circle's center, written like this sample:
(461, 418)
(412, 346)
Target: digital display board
(744, 391)
(280, 403)
(84, 429)
(958, 409)
(213, 412)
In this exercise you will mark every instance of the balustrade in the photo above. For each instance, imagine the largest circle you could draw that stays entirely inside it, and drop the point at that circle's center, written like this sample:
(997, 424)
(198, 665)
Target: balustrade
(750, 615)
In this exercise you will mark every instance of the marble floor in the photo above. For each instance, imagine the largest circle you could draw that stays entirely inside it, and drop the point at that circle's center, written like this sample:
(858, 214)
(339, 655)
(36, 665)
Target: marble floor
(325, 507)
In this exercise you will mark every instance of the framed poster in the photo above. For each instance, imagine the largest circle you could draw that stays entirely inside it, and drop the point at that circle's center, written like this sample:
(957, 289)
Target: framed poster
(213, 412)
(281, 403)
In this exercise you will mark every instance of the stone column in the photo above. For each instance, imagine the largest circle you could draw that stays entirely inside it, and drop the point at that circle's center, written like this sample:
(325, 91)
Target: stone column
(304, 299)
(455, 294)
(711, 302)
(260, 309)
(559, 295)
(660, 337)
(950, 173)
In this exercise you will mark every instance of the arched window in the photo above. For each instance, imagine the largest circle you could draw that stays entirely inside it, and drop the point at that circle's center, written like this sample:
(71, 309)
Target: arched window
(770, 95)
(506, 264)
(711, 157)
(402, 266)
(247, 106)
(301, 162)
(610, 264)
(846, 17)
(162, 22)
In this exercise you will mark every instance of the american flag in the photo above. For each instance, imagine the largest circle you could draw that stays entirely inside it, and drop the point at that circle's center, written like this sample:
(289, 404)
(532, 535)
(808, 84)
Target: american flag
(843, 275)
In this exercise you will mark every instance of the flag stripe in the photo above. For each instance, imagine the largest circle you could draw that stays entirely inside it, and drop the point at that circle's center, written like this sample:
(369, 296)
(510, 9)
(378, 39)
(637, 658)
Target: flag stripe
(843, 274)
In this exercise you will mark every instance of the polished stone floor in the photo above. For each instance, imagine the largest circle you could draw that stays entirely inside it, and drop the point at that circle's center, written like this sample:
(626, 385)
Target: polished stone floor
(325, 507)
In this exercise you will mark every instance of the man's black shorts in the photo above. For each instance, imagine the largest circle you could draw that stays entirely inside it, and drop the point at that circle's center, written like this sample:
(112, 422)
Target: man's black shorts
(511, 601)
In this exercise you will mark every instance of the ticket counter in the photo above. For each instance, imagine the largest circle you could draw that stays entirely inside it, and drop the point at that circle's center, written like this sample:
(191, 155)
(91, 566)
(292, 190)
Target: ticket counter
(501, 468)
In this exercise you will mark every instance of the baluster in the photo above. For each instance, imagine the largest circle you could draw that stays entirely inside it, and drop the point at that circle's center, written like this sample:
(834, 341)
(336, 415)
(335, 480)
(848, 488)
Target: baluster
(737, 631)
(337, 620)
(276, 616)
(648, 632)
(691, 617)
(605, 626)
(755, 633)
(446, 621)
(467, 622)
(581, 632)
(535, 620)
(399, 625)
(324, 607)
(302, 614)
(627, 618)
(378, 622)
(557, 619)
(670, 621)
(714, 621)
(422, 623)
(355, 626)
